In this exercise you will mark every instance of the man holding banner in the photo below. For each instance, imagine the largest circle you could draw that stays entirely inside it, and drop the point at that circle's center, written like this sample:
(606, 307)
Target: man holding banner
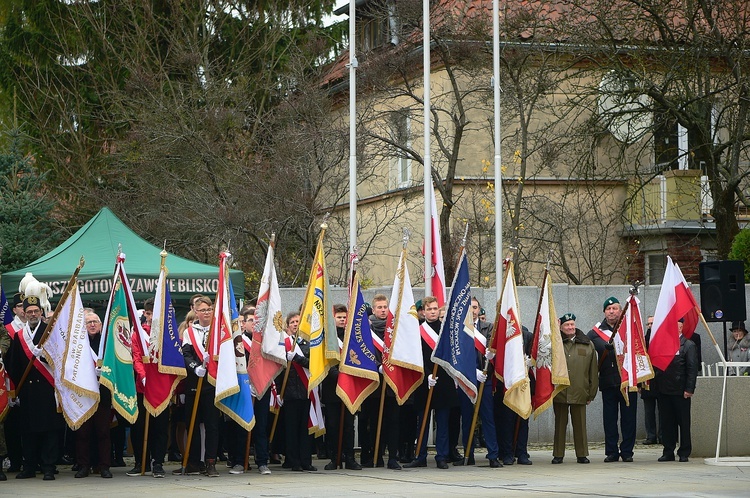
(38, 410)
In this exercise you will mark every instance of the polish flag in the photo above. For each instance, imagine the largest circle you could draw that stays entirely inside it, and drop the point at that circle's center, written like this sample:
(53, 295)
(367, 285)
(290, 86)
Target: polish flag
(437, 273)
(675, 302)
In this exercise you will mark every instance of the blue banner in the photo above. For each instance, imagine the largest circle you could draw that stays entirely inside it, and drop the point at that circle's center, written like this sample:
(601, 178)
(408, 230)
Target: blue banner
(5, 312)
(455, 350)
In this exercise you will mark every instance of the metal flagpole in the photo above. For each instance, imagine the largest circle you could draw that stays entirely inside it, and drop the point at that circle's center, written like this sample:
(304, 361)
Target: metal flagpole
(428, 268)
(352, 132)
(498, 171)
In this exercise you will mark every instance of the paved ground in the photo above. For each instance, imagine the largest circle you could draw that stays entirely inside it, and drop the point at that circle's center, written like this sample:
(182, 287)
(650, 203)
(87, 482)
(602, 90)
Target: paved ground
(644, 477)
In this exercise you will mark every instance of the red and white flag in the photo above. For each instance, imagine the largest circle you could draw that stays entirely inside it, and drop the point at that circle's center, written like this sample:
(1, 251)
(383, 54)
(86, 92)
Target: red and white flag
(437, 273)
(402, 358)
(510, 362)
(675, 302)
(549, 366)
(634, 362)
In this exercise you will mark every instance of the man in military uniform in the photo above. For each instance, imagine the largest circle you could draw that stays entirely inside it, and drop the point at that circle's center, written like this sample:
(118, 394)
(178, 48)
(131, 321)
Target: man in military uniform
(38, 411)
(609, 384)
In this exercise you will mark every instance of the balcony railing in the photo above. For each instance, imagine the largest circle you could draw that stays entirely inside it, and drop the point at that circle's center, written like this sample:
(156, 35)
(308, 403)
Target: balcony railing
(677, 195)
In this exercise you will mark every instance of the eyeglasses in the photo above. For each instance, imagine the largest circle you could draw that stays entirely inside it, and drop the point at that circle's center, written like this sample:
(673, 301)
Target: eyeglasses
(206, 310)
(90, 322)
(30, 311)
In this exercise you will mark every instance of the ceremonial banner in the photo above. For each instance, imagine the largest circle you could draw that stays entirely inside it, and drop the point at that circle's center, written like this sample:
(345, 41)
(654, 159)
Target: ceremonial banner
(4, 390)
(634, 363)
(358, 370)
(675, 302)
(6, 314)
(402, 355)
(316, 323)
(233, 394)
(437, 276)
(165, 367)
(510, 362)
(549, 366)
(455, 350)
(117, 360)
(68, 352)
(268, 356)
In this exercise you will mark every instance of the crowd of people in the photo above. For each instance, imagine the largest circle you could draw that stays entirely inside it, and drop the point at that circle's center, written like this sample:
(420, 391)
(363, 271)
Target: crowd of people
(37, 440)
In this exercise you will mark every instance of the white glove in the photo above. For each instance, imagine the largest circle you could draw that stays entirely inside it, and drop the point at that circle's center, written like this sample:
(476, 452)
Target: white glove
(143, 381)
(290, 355)
(200, 371)
(98, 371)
(528, 362)
(14, 402)
(252, 392)
(380, 369)
(481, 376)
(37, 351)
(431, 381)
(181, 397)
(489, 354)
(206, 357)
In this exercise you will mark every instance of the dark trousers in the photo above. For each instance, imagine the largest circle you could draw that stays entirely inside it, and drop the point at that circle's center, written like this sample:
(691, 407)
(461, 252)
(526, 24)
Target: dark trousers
(95, 433)
(506, 421)
(333, 412)
(208, 415)
(157, 435)
(261, 429)
(614, 404)
(298, 449)
(486, 414)
(407, 431)
(653, 428)
(236, 442)
(41, 448)
(580, 436)
(368, 426)
(674, 415)
(454, 429)
(13, 424)
(442, 437)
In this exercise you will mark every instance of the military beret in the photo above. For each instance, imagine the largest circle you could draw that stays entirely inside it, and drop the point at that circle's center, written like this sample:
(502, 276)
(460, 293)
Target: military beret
(609, 301)
(419, 305)
(567, 317)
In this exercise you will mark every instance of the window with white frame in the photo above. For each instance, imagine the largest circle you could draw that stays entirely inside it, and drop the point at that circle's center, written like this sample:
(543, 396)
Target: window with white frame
(400, 129)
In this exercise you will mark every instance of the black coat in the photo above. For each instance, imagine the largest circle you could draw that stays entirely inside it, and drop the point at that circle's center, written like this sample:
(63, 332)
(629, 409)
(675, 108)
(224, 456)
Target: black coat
(609, 372)
(38, 409)
(682, 372)
(446, 393)
(295, 388)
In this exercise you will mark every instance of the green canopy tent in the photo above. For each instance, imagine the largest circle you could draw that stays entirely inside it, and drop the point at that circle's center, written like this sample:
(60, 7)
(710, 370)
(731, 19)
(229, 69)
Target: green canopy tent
(97, 241)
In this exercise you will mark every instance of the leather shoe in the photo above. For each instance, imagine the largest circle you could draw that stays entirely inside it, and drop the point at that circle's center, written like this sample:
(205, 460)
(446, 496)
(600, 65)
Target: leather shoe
(509, 461)
(495, 463)
(330, 465)
(3, 477)
(26, 474)
(611, 458)
(627, 459)
(459, 463)
(49, 476)
(352, 465)
(393, 464)
(415, 463)
(105, 473)
(456, 456)
(470, 461)
(310, 468)
(296, 468)
(683, 459)
(442, 464)
(648, 442)
(666, 458)
(583, 460)
(556, 460)
(525, 461)
(82, 472)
